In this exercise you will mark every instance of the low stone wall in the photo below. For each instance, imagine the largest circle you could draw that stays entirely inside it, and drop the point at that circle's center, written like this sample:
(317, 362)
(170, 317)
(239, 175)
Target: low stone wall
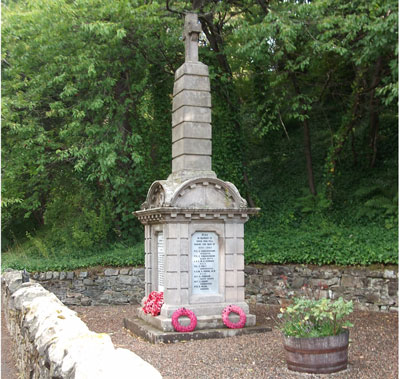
(95, 287)
(52, 342)
(370, 289)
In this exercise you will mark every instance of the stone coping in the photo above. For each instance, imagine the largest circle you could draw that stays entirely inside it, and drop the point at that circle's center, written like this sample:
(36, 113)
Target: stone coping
(52, 342)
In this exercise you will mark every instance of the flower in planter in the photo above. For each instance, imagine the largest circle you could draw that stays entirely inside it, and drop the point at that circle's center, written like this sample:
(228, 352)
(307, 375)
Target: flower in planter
(312, 316)
(315, 335)
(315, 317)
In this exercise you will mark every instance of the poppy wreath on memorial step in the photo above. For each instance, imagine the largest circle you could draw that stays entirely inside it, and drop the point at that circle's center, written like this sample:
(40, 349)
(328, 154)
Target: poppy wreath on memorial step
(184, 312)
(154, 303)
(235, 309)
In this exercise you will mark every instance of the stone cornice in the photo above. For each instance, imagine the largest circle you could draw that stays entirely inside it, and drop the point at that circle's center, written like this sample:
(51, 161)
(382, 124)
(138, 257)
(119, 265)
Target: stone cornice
(170, 214)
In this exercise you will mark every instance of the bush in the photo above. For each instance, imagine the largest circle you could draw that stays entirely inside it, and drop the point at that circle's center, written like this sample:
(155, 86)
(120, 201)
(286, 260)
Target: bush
(323, 243)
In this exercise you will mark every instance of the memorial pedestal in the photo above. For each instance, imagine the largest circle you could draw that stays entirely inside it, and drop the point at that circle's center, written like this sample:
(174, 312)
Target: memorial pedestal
(194, 249)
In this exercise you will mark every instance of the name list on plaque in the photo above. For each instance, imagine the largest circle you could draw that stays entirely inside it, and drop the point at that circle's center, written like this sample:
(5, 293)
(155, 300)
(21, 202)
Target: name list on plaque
(160, 251)
(204, 263)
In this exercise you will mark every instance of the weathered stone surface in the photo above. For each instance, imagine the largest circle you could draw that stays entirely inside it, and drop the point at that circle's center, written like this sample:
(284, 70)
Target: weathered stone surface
(393, 288)
(192, 98)
(199, 69)
(12, 281)
(191, 146)
(298, 283)
(369, 288)
(250, 270)
(389, 274)
(52, 342)
(372, 297)
(86, 301)
(192, 83)
(376, 274)
(70, 275)
(191, 130)
(101, 289)
(83, 275)
(191, 162)
(111, 272)
(352, 281)
(127, 279)
(191, 114)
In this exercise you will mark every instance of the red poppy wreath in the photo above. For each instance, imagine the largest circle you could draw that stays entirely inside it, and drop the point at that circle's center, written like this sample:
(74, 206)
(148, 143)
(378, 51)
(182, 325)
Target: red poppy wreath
(235, 309)
(184, 312)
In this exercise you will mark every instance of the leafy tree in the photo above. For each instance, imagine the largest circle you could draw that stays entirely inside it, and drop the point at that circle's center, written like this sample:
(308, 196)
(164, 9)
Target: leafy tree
(86, 119)
(79, 96)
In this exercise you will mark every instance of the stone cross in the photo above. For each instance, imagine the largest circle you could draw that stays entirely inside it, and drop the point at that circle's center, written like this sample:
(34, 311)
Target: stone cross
(191, 33)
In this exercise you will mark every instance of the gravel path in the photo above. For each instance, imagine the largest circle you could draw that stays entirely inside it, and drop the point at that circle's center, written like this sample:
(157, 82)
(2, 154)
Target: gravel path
(8, 364)
(373, 351)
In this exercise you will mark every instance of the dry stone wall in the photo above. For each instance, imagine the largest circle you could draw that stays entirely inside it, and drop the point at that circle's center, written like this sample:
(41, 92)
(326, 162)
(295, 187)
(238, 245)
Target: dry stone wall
(52, 342)
(95, 287)
(370, 288)
(374, 289)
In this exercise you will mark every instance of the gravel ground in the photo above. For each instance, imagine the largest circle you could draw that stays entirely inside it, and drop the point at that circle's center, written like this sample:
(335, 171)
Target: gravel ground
(8, 367)
(373, 350)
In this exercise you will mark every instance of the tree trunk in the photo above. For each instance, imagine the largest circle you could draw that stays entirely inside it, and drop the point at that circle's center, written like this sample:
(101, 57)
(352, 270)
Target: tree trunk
(306, 141)
(307, 151)
(373, 113)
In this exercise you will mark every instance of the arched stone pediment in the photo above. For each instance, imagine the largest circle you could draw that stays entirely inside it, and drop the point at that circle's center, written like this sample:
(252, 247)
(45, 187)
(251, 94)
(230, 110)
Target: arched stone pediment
(207, 193)
(211, 193)
(155, 196)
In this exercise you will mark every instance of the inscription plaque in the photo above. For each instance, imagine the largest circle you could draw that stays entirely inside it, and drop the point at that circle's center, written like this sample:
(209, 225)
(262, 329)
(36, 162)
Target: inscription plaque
(205, 263)
(160, 255)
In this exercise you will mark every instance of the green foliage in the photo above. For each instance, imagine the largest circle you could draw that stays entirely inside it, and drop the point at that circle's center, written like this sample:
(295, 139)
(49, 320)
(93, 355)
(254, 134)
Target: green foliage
(33, 257)
(86, 104)
(322, 244)
(312, 204)
(76, 219)
(297, 228)
(307, 317)
(79, 97)
(379, 202)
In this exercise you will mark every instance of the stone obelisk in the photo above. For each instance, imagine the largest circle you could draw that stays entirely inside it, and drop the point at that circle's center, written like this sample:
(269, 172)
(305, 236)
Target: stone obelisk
(194, 222)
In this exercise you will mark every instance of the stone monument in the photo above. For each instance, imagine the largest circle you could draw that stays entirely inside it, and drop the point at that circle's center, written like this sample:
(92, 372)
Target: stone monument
(194, 222)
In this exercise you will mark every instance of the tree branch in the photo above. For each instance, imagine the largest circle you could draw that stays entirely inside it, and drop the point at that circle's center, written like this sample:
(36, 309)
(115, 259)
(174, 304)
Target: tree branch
(173, 10)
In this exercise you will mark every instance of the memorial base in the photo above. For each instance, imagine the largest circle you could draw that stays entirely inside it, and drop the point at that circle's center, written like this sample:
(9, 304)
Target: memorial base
(150, 333)
(164, 323)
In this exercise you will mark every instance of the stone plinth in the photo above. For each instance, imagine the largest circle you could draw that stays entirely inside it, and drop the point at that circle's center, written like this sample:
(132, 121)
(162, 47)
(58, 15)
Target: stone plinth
(201, 222)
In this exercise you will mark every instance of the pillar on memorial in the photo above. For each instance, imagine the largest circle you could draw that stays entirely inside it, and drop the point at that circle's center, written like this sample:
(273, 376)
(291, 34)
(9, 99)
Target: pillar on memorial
(191, 110)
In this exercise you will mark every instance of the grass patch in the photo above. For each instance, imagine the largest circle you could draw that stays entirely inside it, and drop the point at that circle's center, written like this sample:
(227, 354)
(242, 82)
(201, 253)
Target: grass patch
(26, 256)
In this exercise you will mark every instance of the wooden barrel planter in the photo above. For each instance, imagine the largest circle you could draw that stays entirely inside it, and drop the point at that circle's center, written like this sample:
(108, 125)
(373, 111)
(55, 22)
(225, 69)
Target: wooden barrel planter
(321, 355)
